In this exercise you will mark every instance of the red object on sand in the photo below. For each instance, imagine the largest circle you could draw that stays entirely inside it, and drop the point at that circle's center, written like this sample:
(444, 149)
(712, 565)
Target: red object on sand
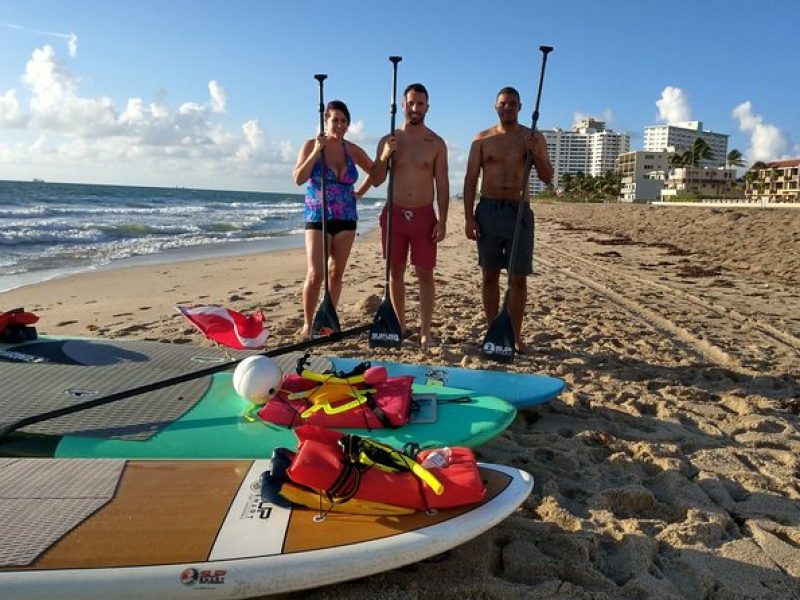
(227, 327)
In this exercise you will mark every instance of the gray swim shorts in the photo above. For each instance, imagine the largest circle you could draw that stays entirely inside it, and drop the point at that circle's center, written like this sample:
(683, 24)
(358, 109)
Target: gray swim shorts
(496, 220)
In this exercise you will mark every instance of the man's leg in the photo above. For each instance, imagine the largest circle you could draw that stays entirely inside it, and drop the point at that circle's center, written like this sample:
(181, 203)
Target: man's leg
(517, 298)
(397, 292)
(427, 295)
(490, 293)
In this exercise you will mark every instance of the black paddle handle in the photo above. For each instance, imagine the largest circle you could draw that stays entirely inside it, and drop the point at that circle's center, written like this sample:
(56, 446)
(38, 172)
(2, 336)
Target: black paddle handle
(545, 50)
(390, 168)
(157, 385)
(321, 77)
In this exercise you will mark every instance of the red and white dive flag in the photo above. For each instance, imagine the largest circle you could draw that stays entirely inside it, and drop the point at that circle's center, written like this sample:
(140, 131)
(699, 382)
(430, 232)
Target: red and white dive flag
(227, 327)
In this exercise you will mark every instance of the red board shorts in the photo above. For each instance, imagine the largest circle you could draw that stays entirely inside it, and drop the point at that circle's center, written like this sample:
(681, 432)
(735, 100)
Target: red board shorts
(412, 228)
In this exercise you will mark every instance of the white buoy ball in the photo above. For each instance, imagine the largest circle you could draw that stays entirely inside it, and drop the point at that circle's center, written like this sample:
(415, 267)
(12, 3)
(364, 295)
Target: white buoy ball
(257, 378)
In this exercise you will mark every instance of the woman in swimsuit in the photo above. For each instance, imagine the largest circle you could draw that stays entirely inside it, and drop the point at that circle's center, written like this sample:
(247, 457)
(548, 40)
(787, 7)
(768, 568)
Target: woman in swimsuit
(340, 172)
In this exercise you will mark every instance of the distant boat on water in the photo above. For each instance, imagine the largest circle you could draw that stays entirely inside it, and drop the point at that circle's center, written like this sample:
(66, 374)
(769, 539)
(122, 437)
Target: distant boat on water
(37, 180)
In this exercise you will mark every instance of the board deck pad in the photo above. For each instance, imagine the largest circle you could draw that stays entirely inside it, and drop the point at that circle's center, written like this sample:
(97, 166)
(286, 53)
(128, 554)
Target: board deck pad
(42, 500)
(77, 370)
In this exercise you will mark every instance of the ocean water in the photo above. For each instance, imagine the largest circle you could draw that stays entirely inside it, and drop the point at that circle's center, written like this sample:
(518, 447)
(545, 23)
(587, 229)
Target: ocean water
(54, 229)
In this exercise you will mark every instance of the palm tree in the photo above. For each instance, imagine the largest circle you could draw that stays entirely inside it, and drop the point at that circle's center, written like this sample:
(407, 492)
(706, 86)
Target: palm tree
(734, 159)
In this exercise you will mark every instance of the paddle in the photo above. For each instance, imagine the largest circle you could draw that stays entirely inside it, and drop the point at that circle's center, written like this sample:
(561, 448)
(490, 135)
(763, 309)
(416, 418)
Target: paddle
(500, 341)
(157, 385)
(325, 321)
(386, 331)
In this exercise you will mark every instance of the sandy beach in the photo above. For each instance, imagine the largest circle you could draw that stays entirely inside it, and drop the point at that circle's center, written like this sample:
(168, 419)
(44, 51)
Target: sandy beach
(669, 468)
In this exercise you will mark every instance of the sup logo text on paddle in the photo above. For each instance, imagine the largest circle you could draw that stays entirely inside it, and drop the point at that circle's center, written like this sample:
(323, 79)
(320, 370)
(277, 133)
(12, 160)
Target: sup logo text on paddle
(384, 336)
(497, 350)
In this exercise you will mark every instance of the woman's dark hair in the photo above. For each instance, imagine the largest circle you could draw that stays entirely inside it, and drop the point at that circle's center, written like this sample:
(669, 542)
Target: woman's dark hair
(340, 106)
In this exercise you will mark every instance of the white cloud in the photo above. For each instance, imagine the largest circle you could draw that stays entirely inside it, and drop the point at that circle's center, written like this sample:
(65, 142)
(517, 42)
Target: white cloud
(72, 45)
(673, 106)
(767, 142)
(219, 97)
(148, 137)
(10, 113)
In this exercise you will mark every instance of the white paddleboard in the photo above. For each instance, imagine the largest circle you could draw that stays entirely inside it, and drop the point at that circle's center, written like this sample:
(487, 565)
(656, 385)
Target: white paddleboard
(172, 529)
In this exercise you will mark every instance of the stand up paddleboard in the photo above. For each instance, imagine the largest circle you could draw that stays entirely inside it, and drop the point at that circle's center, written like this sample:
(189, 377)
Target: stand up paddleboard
(174, 529)
(200, 418)
(522, 390)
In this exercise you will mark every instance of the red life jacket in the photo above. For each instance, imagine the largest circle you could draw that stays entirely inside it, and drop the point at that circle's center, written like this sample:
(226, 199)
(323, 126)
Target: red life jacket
(16, 326)
(388, 404)
(321, 464)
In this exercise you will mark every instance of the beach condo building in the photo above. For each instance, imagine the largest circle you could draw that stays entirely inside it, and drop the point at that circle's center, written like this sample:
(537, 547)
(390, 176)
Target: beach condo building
(642, 175)
(777, 181)
(589, 148)
(679, 137)
(701, 182)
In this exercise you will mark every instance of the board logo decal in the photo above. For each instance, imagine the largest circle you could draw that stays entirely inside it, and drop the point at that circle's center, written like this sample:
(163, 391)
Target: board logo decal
(191, 576)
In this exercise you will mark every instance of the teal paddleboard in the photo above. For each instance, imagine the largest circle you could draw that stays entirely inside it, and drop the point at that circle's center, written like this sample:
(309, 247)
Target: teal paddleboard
(523, 390)
(212, 425)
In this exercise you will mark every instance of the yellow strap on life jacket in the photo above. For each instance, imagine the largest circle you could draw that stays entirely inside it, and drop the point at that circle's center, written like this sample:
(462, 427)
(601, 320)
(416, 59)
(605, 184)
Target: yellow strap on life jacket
(323, 378)
(402, 461)
(311, 499)
(324, 394)
(359, 398)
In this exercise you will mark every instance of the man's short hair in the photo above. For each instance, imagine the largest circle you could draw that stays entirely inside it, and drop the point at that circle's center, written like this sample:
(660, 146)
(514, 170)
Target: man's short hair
(509, 90)
(416, 87)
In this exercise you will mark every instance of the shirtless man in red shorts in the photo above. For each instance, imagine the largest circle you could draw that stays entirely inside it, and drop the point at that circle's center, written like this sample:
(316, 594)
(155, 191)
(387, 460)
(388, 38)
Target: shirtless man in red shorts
(420, 174)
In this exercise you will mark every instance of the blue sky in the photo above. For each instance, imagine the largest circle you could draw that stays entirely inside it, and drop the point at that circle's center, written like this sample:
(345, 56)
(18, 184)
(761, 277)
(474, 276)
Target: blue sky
(215, 94)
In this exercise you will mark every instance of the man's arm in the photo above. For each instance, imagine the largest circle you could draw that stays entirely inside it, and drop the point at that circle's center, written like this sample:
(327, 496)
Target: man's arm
(470, 187)
(379, 168)
(541, 160)
(442, 181)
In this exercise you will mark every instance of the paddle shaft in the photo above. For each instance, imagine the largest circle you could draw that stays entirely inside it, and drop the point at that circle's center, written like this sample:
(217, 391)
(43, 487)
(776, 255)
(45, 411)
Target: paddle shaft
(390, 168)
(157, 385)
(320, 77)
(528, 166)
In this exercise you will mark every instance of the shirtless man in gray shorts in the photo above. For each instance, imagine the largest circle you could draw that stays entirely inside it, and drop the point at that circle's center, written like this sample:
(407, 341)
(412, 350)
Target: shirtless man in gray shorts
(498, 155)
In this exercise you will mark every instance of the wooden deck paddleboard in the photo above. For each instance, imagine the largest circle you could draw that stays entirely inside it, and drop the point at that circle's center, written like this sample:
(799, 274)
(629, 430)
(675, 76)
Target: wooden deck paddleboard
(172, 528)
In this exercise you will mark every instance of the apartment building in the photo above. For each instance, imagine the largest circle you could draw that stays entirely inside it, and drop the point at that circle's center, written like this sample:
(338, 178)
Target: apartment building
(702, 182)
(642, 175)
(680, 137)
(777, 181)
(589, 147)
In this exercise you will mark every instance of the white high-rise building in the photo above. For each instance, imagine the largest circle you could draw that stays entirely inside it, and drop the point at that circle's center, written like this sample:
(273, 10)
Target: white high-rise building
(679, 137)
(589, 148)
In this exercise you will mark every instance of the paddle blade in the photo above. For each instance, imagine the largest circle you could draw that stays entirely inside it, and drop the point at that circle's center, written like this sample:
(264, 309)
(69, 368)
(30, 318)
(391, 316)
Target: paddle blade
(499, 341)
(325, 321)
(386, 331)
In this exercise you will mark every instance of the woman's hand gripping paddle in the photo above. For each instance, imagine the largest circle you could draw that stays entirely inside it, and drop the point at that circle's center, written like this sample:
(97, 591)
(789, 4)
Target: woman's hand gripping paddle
(325, 321)
(386, 331)
(500, 341)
